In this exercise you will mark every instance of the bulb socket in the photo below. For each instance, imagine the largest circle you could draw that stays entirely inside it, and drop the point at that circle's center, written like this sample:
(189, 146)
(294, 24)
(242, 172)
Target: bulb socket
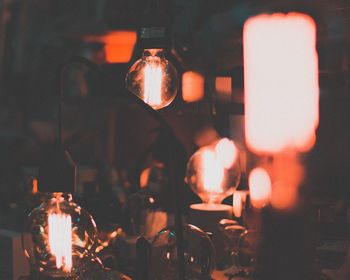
(57, 173)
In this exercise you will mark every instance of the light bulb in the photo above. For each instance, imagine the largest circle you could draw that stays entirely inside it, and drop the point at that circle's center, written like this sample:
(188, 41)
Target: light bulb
(259, 187)
(153, 79)
(59, 237)
(213, 171)
(199, 254)
(281, 82)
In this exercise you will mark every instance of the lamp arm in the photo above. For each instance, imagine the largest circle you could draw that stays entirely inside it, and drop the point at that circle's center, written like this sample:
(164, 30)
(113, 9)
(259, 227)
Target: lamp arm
(59, 87)
(173, 178)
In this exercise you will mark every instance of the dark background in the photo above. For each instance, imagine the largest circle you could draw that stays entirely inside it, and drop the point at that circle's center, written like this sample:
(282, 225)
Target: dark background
(100, 129)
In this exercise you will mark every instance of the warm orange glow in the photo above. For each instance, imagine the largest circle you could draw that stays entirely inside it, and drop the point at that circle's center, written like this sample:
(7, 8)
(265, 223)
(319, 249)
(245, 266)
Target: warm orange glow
(223, 86)
(259, 187)
(213, 172)
(226, 152)
(144, 177)
(205, 136)
(287, 174)
(237, 204)
(284, 196)
(34, 186)
(281, 82)
(192, 86)
(153, 85)
(118, 45)
(60, 240)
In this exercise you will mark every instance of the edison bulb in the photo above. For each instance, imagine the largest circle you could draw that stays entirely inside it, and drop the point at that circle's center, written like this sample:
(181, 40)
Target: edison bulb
(59, 237)
(199, 254)
(153, 79)
(213, 171)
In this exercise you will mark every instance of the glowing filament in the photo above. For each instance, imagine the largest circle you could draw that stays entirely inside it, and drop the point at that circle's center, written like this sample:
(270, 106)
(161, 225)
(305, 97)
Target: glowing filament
(259, 187)
(60, 240)
(281, 82)
(213, 172)
(153, 85)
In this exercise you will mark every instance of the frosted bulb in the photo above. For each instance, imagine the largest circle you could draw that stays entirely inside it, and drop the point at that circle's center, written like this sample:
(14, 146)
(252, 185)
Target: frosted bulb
(153, 79)
(59, 237)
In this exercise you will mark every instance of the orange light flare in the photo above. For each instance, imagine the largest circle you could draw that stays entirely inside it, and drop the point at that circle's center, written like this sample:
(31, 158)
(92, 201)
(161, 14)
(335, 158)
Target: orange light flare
(60, 240)
(223, 87)
(287, 173)
(212, 174)
(153, 83)
(34, 186)
(281, 82)
(118, 44)
(259, 187)
(226, 152)
(192, 86)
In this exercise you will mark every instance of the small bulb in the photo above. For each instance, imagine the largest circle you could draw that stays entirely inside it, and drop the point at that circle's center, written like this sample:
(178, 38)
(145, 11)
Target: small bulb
(153, 79)
(213, 172)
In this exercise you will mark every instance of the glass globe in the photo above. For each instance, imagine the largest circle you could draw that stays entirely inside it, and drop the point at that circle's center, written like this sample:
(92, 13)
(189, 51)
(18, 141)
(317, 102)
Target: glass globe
(213, 172)
(248, 246)
(153, 79)
(59, 237)
(198, 251)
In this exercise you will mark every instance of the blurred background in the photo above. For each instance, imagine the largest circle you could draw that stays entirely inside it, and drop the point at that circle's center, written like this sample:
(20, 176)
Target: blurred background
(112, 140)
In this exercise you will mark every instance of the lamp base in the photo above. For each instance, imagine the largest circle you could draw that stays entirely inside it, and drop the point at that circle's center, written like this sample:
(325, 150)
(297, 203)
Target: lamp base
(207, 216)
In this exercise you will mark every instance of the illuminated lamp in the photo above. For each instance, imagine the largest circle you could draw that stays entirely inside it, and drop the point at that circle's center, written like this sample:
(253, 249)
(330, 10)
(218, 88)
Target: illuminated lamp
(59, 235)
(281, 82)
(213, 173)
(281, 97)
(153, 78)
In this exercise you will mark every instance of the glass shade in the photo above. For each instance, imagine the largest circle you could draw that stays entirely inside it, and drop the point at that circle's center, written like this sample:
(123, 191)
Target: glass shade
(213, 172)
(198, 251)
(153, 78)
(59, 237)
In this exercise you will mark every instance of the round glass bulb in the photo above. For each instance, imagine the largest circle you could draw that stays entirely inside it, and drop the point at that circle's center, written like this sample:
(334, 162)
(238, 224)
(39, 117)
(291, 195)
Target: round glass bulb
(198, 251)
(213, 171)
(59, 237)
(153, 79)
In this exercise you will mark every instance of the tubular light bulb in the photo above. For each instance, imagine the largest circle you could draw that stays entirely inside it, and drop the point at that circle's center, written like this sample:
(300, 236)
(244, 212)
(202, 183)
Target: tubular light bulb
(211, 175)
(59, 237)
(281, 82)
(153, 79)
